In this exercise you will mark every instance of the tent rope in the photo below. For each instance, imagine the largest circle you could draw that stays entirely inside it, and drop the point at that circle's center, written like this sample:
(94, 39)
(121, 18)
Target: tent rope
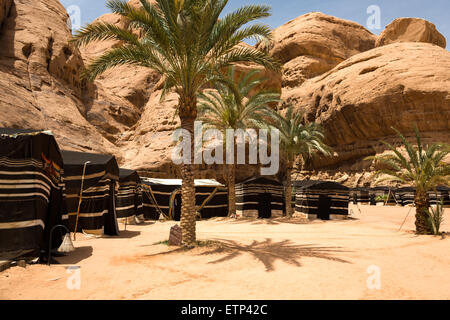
(207, 200)
(152, 198)
(172, 204)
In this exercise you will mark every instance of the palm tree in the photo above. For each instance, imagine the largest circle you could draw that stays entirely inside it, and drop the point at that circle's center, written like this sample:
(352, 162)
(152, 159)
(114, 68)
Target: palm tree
(297, 139)
(187, 43)
(238, 108)
(423, 168)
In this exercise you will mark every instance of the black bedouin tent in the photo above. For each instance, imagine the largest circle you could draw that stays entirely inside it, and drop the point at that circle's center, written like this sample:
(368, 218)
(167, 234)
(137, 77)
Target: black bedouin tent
(260, 198)
(385, 195)
(163, 197)
(31, 192)
(360, 195)
(440, 195)
(406, 195)
(324, 200)
(129, 204)
(93, 176)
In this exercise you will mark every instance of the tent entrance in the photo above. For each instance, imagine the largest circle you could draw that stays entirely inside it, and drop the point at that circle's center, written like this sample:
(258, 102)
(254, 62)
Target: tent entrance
(265, 206)
(324, 207)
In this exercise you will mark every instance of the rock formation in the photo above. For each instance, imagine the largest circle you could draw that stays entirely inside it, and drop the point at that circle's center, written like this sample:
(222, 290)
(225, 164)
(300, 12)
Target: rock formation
(359, 100)
(5, 5)
(355, 84)
(411, 30)
(314, 43)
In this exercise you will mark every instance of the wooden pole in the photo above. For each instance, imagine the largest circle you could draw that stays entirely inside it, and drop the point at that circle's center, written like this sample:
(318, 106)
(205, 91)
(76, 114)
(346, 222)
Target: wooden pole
(79, 201)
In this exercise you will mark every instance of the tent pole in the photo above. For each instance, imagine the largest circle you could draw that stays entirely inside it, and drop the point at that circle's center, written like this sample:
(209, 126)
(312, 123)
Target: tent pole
(79, 201)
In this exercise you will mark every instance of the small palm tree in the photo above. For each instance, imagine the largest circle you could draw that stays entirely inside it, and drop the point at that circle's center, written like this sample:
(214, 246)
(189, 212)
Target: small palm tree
(423, 168)
(298, 139)
(236, 108)
(187, 43)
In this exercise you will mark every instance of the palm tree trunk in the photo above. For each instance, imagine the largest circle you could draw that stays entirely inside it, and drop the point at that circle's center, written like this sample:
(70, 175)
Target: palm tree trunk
(422, 203)
(231, 190)
(288, 190)
(188, 115)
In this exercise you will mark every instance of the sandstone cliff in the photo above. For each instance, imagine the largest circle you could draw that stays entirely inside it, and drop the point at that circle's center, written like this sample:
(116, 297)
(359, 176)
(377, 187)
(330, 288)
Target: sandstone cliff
(359, 100)
(357, 85)
(39, 76)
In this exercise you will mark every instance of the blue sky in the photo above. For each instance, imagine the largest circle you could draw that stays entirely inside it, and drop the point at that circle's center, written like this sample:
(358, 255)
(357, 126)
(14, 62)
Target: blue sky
(437, 11)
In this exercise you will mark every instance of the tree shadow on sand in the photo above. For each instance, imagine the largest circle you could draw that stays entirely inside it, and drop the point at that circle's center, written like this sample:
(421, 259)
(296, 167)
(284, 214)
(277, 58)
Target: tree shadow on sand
(268, 252)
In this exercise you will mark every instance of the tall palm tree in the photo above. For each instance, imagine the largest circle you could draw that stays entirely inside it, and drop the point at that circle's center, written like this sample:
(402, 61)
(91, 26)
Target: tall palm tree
(187, 43)
(423, 168)
(240, 108)
(297, 139)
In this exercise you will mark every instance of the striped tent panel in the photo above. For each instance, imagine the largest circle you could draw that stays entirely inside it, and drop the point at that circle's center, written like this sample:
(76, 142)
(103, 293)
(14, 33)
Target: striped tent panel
(167, 194)
(126, 200)
(406, 196)
(31, 192)
(322, 199)
(360, 195)
(216, 206)
(308, 201)
(129, 203)
(260, 198)
(440, 195)
(162, 195)
(97, 212)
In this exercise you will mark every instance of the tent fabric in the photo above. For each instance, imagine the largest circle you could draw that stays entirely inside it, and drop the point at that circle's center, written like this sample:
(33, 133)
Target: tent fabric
(260, 198)
(167, 194)
(440, 195)
(360, 195)
(406, 195)
(129, 201)
(31, 191)
(321, 199)
(97, 210)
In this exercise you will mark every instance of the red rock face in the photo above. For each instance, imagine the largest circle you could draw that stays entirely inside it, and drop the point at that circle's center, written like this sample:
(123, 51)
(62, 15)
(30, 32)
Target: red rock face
(5, 5)
(332, 71)
(359, 100)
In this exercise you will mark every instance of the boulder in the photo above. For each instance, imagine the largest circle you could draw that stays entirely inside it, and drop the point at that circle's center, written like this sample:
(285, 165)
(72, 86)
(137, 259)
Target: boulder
(314, 43)
(411, 30)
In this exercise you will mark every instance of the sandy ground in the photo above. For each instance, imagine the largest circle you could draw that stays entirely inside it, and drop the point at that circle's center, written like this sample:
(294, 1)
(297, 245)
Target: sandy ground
(258, 260)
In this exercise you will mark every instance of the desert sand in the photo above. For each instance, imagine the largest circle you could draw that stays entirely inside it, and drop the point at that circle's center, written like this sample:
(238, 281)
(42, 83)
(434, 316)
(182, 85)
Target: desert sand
(259, 259)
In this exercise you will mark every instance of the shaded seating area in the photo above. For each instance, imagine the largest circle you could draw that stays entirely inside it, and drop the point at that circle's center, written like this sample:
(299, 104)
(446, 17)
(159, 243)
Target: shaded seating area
(129, 203)
(325, 200)
(162, 197)
(260, 198)
(90, 192)
(31, 192)
(385, 196)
